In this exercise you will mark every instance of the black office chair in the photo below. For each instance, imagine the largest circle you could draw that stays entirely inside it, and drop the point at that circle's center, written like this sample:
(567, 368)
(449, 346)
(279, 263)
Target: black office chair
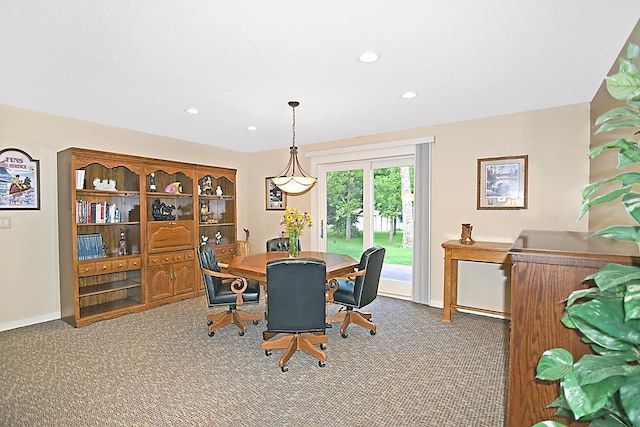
(357, 290)
(226, 289)
(297, 307)
(280, 244)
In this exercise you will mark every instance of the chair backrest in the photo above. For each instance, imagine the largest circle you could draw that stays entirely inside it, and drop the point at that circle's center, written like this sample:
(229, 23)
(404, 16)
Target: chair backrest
(297, 295)
(366, 287)
(280, 244)
(209, 260)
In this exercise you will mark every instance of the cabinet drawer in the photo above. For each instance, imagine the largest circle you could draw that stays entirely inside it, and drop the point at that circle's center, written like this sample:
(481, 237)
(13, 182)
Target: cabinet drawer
(160, 259)
(134, 264)
(183, 256)
(170, 235)
(103, 267)
(87, 269)
(225, 253)
(119, 265)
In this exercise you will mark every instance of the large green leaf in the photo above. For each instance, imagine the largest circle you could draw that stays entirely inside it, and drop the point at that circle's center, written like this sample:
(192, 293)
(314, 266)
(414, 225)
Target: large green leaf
(622, 85)
(581, 293)
(554, 364)
(577, 399)
(626, 123)
(619, 144)
(612, 275)
(631, 203)
(593, 369)
(632, 302)
(626, 179)
(617, 113)
(630, 399)
(604, 323)
(605, 198)
(620, 232)
(628, 355)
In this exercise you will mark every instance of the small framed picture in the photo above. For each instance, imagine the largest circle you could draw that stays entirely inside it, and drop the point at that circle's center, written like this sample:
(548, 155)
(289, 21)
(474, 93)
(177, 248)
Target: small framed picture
(502, 182)
(276, 199)
(19, 180)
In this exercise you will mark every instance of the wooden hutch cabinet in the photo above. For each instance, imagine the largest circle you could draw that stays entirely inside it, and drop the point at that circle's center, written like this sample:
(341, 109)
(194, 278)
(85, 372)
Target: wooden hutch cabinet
(547, 267)
(129, 227)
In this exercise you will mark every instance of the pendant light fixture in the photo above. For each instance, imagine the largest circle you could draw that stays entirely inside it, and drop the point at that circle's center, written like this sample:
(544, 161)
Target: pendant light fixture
(287, 180)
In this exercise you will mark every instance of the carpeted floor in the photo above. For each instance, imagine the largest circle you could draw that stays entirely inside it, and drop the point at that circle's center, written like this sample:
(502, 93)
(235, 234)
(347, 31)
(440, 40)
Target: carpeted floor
(160, 368)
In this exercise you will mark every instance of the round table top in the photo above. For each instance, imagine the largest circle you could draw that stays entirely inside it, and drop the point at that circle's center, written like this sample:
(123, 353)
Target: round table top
(254, 266)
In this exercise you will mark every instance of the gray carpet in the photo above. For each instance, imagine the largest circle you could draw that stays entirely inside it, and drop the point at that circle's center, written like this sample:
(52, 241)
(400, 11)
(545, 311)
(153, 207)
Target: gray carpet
(159, 368)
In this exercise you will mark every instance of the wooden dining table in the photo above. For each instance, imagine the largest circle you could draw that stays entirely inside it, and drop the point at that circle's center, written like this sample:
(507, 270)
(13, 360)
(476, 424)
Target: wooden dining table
(254, 266)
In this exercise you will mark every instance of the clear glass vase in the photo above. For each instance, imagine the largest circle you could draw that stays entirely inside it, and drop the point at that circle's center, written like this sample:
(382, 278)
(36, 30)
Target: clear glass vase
(293, 245)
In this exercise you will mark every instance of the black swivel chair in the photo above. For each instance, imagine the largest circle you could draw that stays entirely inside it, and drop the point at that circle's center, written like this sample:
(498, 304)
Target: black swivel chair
(297, 308)
(357, 290)
(280, 244)
(226, 289)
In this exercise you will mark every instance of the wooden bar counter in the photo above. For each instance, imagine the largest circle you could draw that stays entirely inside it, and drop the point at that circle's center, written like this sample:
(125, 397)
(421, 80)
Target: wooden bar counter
(547, 267)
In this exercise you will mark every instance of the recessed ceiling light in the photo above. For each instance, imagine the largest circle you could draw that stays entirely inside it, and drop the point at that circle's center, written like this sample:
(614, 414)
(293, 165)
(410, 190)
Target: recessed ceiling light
(192, 110)
(252, 128)
(368, 57)
(409, 95)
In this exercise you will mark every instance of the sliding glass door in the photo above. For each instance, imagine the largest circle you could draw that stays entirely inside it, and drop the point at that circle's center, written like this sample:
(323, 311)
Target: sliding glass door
(371, 203)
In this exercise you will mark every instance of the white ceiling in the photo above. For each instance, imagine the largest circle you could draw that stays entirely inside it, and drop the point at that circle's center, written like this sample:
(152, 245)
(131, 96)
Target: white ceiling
(139, 64)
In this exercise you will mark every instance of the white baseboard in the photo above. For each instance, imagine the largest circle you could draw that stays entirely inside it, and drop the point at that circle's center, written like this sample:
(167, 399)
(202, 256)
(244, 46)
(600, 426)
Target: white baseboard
(29, 321)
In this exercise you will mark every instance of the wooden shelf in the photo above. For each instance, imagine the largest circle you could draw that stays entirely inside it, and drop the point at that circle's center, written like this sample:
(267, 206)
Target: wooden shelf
(100, 309)
(118, 285)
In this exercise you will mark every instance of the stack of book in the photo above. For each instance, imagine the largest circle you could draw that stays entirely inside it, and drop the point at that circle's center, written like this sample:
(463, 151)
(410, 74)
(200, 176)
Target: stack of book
(90, 246)
(96, 213)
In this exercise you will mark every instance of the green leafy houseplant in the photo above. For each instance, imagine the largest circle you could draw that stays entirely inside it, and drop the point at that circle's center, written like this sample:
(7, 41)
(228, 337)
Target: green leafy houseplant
(604, 388)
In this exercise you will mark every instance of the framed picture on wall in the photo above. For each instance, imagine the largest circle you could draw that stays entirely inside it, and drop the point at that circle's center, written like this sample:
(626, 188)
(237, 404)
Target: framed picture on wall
(502, 182)
(276, 199)
(19, 180)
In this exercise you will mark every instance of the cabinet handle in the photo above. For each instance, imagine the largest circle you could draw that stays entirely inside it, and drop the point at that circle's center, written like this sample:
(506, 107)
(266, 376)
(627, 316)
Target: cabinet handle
(172, 223)
(120, 265)
(166, 259)
(86, 269)
(104, 267)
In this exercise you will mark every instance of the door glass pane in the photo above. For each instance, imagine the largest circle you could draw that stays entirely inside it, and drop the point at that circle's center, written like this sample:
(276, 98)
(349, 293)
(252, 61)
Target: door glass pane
(393, 220)
(344, 212)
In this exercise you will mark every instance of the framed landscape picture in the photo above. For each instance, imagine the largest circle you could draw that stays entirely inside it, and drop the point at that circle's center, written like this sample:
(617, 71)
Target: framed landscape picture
(276, 199)
(19, 180)
(502, 182)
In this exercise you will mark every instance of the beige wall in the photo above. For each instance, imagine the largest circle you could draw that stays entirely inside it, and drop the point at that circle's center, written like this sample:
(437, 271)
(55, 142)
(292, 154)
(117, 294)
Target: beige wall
(29, 249)
(556, 141)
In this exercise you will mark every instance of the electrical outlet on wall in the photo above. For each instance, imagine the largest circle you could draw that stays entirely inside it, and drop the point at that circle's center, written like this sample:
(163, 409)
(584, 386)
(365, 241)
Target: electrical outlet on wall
(5, 222)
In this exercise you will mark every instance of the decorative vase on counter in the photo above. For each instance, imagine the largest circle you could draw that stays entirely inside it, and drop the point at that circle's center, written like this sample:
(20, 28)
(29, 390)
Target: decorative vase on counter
(293, 245)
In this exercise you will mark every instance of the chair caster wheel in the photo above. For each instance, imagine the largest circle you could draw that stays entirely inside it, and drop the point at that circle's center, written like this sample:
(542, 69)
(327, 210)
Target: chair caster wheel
(323, 346)
(241, 333)
(344, 335)
(255, 322)
(372, 332)
(285, 368)
(211, 333)
(209, 323)
(267, 352)
(322, 364)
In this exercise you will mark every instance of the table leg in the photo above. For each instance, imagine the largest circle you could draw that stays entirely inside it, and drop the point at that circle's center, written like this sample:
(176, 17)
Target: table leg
(446, 316)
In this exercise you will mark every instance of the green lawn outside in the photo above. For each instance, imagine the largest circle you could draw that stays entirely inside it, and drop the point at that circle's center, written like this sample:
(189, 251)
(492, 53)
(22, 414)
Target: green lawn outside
(395, 253)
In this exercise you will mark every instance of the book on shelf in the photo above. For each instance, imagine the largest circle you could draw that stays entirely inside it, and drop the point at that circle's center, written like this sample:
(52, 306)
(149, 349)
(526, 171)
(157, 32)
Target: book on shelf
(90, 246)
(79, 179)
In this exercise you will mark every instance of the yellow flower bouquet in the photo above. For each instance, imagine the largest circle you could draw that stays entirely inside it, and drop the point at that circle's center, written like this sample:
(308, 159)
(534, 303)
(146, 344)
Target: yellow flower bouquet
(294, 222)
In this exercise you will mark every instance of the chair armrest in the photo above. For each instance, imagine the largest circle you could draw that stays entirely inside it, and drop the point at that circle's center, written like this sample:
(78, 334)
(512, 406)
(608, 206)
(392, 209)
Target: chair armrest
(238, 284)
(332, 284)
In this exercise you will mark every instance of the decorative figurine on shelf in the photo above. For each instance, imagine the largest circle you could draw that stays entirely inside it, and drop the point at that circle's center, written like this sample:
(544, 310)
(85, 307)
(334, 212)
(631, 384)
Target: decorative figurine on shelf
(203, 240)
(465, 237)
(218, 237)
(206, 186)
(122, 246)
(162, 212)
(152, 183)
(219, 191)
(173, 188)
(104, 185)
